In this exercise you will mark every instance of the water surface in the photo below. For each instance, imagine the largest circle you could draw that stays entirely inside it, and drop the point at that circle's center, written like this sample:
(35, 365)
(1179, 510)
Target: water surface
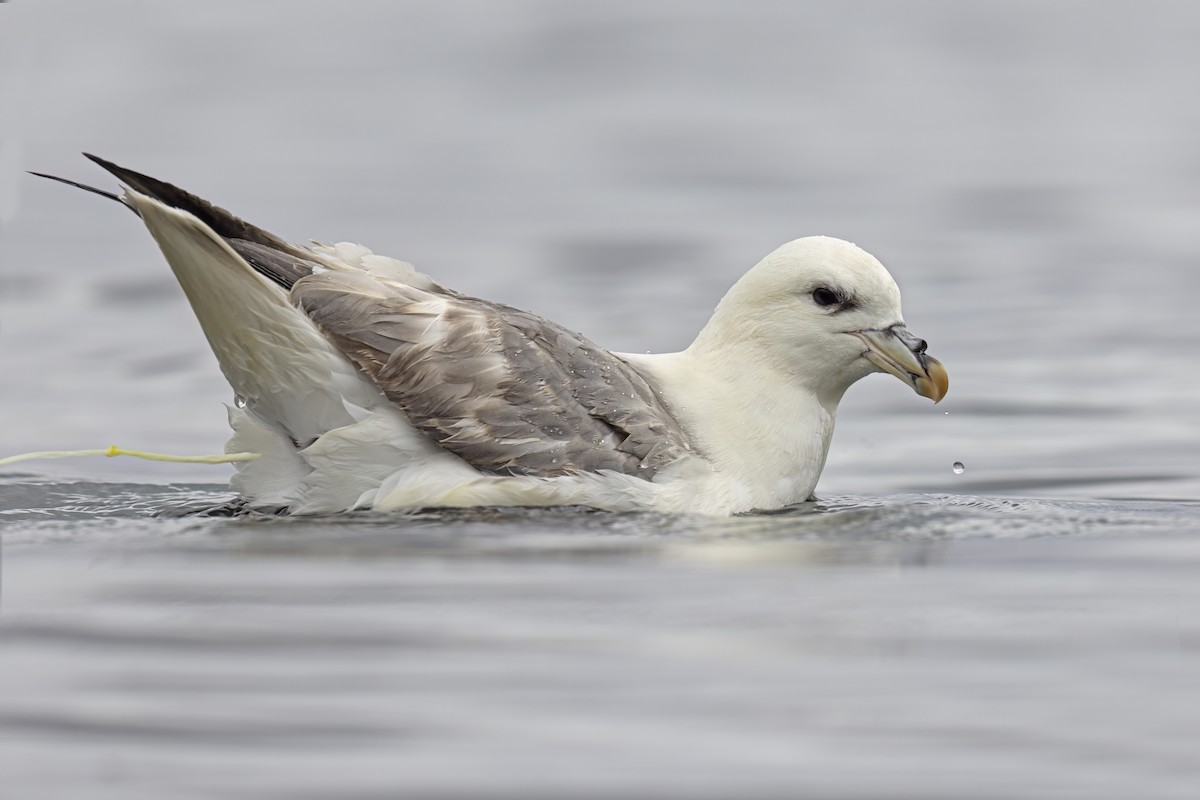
(899, 646)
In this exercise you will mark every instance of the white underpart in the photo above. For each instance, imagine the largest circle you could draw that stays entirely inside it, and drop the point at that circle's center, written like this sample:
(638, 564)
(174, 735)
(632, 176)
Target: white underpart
(764, 442)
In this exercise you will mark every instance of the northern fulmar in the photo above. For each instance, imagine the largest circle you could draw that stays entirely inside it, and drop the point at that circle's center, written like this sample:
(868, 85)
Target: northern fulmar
(365, 384)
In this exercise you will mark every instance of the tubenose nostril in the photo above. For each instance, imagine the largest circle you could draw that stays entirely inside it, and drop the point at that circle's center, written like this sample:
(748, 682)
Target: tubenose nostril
(921, 347)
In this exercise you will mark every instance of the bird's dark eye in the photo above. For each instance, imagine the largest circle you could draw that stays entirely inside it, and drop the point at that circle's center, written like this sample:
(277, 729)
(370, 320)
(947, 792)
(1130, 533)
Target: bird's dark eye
(825, 297)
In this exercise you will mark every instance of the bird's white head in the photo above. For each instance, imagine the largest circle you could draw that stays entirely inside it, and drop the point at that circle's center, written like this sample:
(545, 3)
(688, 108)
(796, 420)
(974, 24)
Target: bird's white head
(825, 313)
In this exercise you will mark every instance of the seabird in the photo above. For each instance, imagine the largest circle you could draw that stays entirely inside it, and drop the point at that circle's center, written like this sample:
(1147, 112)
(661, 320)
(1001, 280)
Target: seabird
(365, 384)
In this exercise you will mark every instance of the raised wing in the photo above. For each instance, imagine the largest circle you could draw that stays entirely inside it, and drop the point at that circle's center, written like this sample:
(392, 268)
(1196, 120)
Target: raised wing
(505, 390)
(508, 392)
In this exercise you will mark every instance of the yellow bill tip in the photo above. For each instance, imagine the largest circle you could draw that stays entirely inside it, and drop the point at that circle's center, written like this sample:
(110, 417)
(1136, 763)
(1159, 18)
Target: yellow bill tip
(935, 382)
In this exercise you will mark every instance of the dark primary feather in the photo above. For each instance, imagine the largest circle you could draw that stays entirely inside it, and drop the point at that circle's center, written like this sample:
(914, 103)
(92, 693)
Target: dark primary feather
(507, 391)
(83, 186)
(279, 260)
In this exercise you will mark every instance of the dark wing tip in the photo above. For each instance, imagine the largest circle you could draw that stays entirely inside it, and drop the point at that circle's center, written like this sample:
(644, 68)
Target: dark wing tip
(224, 223)
(159, 190)
(83, 186)
(108, 165)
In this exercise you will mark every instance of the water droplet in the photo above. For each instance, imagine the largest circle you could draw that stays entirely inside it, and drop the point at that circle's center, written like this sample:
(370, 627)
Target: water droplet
(959, 468)
(239, 401)
(947, 413)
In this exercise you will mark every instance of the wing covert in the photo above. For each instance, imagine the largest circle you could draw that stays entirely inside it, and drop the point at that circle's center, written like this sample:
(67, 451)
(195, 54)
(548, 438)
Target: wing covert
(505, 390)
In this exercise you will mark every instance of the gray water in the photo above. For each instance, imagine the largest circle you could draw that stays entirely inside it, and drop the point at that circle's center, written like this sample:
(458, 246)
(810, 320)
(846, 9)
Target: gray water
(1027, 628)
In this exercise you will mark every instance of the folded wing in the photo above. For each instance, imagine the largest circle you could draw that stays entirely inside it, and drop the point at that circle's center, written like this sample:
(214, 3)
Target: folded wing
(505, 390)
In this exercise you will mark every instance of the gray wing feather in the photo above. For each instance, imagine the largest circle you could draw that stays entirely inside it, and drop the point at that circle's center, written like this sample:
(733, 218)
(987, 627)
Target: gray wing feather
(505, 390)
(285, 267)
